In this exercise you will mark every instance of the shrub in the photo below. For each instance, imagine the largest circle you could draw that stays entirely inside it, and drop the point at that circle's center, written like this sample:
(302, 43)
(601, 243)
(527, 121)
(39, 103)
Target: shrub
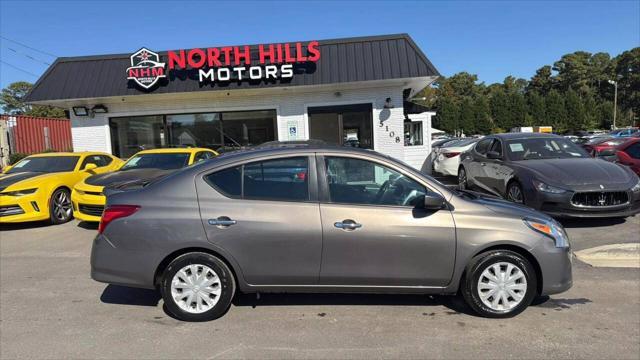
(14, 158)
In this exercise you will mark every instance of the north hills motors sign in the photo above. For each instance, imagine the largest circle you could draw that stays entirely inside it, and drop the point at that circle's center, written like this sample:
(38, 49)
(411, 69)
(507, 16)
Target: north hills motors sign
(223, 64)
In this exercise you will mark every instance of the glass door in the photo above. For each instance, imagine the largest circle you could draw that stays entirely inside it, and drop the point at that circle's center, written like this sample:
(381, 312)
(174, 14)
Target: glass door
(348, 125)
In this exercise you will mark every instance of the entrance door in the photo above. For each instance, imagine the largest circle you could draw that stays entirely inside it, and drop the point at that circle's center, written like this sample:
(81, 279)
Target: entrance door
(349, 125)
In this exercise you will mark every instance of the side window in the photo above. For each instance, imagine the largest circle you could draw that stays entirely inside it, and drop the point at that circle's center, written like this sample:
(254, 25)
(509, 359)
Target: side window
(355, 181)
(278, 179)
(106, 160)
(227, 181)
(634, 150)
(93, 159)
(483, 146)
(497, 147)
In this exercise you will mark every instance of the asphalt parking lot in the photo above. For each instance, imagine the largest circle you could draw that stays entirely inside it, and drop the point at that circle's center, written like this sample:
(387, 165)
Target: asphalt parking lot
(50, 308)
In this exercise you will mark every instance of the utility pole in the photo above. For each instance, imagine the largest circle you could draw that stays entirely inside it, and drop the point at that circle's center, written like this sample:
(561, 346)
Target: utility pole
(615, 101)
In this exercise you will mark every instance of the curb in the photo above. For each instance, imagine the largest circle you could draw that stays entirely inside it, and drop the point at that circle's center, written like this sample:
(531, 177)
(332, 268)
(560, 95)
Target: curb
(614, 255)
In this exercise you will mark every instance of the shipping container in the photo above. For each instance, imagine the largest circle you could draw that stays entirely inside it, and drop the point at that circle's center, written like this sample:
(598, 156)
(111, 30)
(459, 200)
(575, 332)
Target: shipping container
(29, 135)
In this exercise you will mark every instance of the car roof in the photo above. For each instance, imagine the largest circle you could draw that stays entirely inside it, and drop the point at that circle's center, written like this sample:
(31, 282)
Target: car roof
(512, 136)
(173, 151)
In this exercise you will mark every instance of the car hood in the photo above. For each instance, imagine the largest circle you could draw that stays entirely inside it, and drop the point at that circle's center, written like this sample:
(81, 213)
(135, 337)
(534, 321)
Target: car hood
(7, 180)
(577, 172)
(506, 208)
(122, 178)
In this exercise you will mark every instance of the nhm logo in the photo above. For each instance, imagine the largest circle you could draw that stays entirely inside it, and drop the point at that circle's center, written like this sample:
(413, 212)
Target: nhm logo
(146, 68)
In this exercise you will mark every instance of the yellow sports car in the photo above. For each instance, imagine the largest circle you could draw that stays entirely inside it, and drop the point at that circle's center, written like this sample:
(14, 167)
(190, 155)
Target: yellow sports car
(88, 199)
(38, 187)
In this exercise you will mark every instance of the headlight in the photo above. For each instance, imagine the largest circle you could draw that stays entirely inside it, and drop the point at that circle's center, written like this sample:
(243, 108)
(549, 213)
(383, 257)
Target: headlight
(19, 192)
(551, 229)
(636, 187)
(547, 188)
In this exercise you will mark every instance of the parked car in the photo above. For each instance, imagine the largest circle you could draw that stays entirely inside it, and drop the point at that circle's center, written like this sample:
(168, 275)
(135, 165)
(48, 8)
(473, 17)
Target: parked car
(551, 174)
(628, 154)
(623, 132)
(595, 146)
(38, 187)
(447, 158)
(88, 197)
(427, 165)
(358, 221)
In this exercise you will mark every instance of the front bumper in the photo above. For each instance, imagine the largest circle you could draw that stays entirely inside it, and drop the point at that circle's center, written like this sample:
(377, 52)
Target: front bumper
(555, 267)
(88, 203)
(31, 207)
(560, 206)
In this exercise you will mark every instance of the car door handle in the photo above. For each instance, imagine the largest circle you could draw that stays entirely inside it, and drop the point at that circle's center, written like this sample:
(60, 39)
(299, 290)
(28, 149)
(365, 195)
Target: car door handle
(347, 224)
(222, 221)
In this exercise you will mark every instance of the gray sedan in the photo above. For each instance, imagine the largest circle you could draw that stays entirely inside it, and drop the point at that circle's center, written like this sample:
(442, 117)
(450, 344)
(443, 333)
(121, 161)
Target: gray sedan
(324, 219)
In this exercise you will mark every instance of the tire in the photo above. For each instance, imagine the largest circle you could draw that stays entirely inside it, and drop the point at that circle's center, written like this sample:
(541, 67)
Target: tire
(518, 294)
(463, 181)
(514, 187)
(209, 302)
(60, 208)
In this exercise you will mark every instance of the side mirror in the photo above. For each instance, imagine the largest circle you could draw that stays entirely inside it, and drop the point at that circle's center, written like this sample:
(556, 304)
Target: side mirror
(433, 201)
(90, 166)
(493, 155)
(606, 152)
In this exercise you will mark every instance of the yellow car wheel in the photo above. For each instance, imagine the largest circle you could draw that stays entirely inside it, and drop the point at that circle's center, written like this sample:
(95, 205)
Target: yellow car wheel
(60, 210)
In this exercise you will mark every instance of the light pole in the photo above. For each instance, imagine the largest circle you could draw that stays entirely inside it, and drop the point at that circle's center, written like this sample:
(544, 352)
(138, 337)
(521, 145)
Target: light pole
(615, 101)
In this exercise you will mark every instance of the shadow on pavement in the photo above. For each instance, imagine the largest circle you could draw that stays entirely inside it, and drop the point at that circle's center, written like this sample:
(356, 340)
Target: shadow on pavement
(88, 225)
(122, 295)
(454, 303)
(589, 223)
(24, 225)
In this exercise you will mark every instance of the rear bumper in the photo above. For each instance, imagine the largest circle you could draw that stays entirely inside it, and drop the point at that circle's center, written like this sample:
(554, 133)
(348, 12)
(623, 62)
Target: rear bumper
(446, 166)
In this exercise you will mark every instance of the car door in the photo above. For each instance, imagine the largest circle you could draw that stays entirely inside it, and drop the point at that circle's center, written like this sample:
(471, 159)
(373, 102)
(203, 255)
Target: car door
(265, 214)
(496, 171)
(476, 167)
(373, 232)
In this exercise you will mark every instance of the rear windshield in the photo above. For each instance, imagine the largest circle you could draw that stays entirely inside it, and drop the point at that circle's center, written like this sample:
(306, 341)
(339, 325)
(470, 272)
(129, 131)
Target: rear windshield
(157, 161)
(463, 142)
(45, 164)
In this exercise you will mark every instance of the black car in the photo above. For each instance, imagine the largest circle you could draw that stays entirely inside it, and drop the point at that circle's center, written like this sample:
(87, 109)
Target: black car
(551, 174)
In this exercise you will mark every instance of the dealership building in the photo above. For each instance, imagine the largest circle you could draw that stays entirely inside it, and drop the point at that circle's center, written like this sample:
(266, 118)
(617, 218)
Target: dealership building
(352, 92)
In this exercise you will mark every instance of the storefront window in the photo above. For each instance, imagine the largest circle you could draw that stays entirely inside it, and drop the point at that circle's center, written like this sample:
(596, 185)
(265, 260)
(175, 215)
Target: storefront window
(132, 134)
(413, 133)
(216, 131)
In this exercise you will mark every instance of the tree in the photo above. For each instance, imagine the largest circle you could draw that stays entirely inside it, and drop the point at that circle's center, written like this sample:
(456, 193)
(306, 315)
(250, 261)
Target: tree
(536, 108)
(467, 118)
(517, 111)
(446, 116)
(499, 105)
(575, 111)
(12, 102)
(556, 112)
(542, 81)
(482, 114)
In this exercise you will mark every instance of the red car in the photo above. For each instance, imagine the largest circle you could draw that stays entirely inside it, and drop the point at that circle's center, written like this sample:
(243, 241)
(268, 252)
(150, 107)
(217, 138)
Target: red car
(595, 146)
(629, 154)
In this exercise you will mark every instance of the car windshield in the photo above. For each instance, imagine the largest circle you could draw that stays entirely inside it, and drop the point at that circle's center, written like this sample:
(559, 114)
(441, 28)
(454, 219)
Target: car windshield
(45, 164)
(157, 161)
(543, 148)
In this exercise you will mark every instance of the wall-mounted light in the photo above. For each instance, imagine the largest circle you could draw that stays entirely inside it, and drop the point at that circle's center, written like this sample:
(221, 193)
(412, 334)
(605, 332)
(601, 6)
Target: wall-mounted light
(99, 109)
(388, 104)
(80, 111)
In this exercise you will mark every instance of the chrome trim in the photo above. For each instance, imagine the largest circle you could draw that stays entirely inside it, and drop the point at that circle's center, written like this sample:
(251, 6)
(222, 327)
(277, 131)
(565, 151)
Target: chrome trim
(597, 206)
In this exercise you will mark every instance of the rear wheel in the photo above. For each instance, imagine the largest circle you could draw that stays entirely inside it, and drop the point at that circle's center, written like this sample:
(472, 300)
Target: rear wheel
(197, 287)
(462, 179)
(499, 284)
(60, 210)
(515, 193)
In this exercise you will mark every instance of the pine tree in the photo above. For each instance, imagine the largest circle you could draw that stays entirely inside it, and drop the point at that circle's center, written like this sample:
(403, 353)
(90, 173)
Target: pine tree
(575, 111)
(467, 118)
(482, 114)
(556, 112)
(536, 109)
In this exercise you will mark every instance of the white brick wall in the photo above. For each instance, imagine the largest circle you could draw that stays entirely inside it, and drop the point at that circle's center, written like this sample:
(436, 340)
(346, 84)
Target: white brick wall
(291, 106)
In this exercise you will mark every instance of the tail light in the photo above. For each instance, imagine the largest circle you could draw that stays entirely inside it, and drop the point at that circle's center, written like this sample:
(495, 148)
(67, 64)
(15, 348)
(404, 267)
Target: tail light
(451, 154)
(115, 212)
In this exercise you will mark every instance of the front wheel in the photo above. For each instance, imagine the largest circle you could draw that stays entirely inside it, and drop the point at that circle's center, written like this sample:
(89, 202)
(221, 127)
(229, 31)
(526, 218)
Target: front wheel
(515, 193)
(60, 209)
(197, 287)
(499, 284)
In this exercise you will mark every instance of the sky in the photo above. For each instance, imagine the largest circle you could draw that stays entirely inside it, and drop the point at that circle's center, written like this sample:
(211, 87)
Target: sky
(492, 39)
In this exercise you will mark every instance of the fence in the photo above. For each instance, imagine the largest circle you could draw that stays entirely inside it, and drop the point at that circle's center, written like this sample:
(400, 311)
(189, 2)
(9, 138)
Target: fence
(28, 135)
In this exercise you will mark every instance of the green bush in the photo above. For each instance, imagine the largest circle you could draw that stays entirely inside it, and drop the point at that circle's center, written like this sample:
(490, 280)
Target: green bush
(14, 158)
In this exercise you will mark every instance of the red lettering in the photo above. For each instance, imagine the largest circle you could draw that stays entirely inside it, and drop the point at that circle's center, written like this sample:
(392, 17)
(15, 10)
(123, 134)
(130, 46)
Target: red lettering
(213, 56)
(287, 54)
(245, 53)
(314, 51)
(279, 53)
(299, 56)
(177, 59)
(227, 55)
(133, 72)
(194, 62)
(263, 54)
(157, 71)
(145, 72)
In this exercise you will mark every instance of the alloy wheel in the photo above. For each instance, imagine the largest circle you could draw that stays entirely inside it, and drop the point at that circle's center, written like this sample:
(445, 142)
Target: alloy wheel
(515, 194)
(196, 288)
(462, 179)
(502, 286)
(62, 206)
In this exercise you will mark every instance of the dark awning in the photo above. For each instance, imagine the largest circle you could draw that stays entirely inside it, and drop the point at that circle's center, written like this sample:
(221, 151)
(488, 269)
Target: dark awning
(342, 60)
